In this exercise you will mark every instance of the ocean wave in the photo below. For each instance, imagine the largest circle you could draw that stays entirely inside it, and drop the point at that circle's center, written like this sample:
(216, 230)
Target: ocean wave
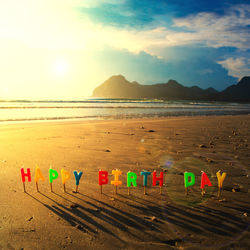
(25, 111)
(130, 107)
(127, 116)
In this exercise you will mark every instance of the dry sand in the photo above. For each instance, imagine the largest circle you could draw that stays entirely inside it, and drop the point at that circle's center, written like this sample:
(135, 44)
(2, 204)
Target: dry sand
(88, 220)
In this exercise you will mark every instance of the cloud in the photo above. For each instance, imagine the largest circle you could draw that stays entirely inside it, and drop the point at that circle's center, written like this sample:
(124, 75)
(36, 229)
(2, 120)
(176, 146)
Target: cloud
(53, 24)
(205, 71)
(136, 13)
(237, 67)
(88, 3)
(116, 15)
(230, 30)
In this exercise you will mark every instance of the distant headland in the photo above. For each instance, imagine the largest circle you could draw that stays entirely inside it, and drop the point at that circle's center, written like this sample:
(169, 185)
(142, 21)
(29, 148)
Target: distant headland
(119, 87)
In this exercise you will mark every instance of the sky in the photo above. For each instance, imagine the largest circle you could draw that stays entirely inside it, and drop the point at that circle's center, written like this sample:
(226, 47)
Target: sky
(63, 49)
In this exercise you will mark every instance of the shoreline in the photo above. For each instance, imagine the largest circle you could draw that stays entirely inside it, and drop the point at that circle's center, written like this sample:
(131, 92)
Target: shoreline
(88, 119)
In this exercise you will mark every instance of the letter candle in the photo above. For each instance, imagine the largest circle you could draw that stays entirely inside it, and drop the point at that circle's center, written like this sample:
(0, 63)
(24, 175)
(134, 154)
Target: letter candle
(189, 179)
(53, 174)
(221, 179)
(145, 179)
(188, 183)
(103, 178)
(23, 177)
(65, 176)
(160, 179)
(204, 181)
(38, 175)
(116, 180)
(131, 179)
(77, 178)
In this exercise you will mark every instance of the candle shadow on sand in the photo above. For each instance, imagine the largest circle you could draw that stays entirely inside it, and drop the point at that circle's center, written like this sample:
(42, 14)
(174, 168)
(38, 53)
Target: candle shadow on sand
(132, 215)
(200, 219)
(77, 217)
(128, 219)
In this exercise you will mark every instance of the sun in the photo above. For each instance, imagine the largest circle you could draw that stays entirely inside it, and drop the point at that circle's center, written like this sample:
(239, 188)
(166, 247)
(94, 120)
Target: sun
(61, 67)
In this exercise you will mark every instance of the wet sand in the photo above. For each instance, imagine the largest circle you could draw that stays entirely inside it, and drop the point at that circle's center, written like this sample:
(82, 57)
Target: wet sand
(90, 220)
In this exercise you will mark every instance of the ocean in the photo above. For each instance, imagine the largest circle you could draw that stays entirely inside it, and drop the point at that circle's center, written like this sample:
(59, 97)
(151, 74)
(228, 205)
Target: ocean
(100, 108)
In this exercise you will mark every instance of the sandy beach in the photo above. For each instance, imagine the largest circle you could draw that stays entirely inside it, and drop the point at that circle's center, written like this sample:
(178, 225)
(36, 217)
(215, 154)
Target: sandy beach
(88, 219)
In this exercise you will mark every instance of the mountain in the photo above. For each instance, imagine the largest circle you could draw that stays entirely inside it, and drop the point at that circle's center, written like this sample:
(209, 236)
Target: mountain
(119, 87)
(240, 91)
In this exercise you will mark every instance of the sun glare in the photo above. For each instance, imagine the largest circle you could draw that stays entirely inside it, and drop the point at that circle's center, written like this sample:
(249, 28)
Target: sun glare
(61, 67)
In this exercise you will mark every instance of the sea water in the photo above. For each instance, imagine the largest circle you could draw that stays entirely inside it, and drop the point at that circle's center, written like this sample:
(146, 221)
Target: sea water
(101, 108)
